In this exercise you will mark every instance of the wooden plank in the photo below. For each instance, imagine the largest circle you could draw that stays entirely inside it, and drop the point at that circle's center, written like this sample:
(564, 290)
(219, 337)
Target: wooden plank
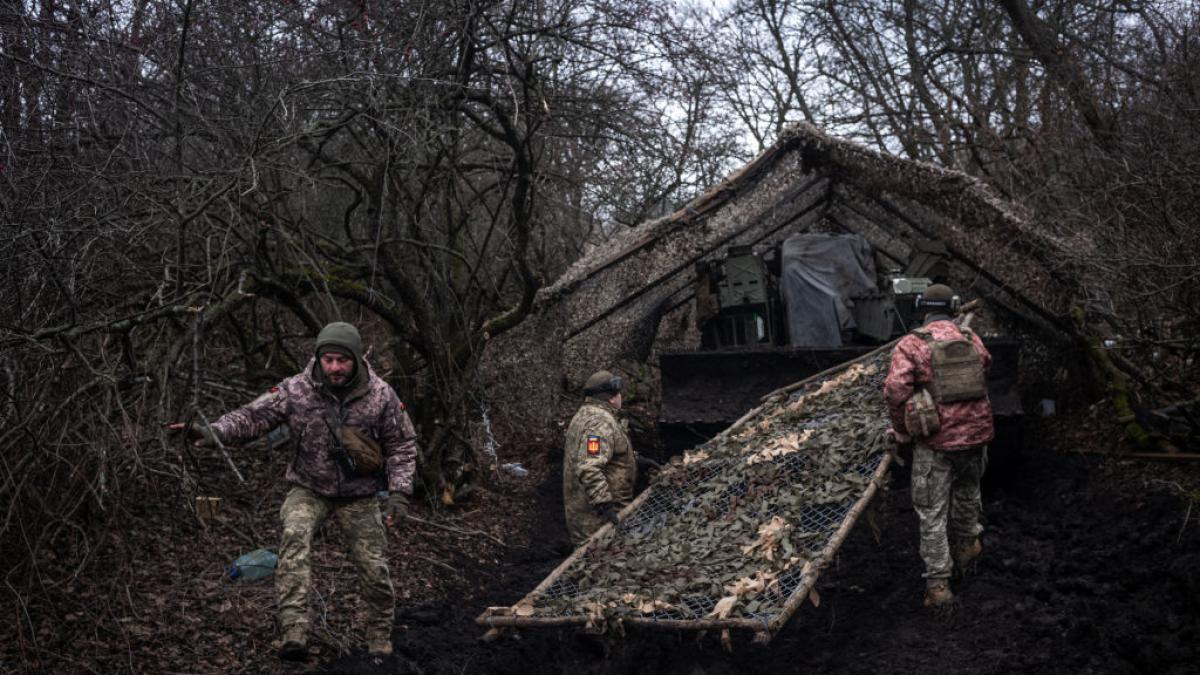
(696, 624)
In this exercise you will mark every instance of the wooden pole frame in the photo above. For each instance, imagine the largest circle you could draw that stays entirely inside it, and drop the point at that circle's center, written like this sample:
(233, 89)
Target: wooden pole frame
(764, 630)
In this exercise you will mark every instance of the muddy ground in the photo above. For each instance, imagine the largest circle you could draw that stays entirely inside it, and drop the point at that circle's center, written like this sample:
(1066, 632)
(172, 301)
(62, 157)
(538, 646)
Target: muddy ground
(1089, 565)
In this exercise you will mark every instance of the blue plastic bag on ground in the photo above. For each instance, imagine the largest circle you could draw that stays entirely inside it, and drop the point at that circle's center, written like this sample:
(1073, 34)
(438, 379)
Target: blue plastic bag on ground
(257, 564)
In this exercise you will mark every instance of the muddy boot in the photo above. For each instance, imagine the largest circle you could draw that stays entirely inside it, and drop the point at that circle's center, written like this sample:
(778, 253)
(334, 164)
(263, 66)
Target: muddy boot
(965, 557)
(295, 644)
(379, 642)
(938, 595)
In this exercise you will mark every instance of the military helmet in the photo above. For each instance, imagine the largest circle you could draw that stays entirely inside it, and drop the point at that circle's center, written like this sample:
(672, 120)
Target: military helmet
(938, 297)
(602, 382)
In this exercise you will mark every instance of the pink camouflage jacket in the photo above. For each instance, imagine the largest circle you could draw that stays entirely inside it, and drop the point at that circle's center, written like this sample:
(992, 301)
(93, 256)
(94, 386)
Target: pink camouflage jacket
(964, 424)
(305, 406)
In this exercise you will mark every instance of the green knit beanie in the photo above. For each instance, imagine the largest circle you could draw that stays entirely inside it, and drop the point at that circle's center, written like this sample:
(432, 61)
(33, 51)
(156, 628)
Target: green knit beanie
(340, 336)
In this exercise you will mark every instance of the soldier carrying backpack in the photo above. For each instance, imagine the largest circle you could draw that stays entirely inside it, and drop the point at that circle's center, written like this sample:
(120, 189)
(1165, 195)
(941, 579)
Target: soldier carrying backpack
(937, 399)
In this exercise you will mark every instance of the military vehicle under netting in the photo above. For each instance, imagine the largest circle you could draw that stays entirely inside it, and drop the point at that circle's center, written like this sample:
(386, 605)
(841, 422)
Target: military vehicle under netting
(774, 315)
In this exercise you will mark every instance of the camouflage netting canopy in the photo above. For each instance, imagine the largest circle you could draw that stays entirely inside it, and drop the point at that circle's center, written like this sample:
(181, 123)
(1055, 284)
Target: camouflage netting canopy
(632, 297)
(735, 533)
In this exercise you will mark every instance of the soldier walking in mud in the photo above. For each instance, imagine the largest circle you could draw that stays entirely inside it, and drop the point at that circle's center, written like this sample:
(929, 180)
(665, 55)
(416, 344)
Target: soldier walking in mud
(599, 464)
(937, 399)
(354, 440)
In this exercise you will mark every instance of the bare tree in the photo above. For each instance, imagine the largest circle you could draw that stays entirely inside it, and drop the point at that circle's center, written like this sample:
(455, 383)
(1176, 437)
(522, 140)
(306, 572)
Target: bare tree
(192, 189)
(1079, 110)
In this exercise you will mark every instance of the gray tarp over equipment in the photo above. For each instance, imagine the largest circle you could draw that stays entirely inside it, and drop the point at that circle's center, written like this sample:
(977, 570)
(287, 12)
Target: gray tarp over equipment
(821, 273)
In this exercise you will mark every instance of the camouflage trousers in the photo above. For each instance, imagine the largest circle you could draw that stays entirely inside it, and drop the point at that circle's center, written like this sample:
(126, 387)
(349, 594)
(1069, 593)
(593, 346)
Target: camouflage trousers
(302, 513)
(945, 494)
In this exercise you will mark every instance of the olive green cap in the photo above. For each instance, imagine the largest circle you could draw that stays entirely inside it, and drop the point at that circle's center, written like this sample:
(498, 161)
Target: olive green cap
(340, 336)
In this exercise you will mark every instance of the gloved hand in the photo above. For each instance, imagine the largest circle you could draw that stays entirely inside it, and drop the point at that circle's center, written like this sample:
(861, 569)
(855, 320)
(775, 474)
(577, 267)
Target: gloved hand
(892, 440)
(608, 512)
(395, 508)
(201, 435)
(895, 438)
(648, 465)
(889, 440)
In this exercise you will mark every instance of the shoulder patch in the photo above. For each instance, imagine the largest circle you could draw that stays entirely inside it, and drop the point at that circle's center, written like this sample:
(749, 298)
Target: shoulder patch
(593, 445)
(402, 406)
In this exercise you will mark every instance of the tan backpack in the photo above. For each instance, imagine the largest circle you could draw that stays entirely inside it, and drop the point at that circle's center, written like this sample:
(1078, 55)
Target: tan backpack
(957, 368)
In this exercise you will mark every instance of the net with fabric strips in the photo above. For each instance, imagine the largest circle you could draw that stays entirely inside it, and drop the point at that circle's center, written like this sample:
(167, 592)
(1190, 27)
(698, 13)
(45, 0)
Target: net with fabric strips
(732, 530)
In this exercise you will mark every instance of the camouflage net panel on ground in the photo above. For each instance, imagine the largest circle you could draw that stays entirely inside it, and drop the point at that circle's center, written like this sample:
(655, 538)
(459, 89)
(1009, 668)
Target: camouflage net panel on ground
(731, 531)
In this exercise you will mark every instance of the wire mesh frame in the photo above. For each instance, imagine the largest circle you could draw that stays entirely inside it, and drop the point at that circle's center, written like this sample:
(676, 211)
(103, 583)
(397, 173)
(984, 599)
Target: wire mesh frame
(794, 584)
(653, 513)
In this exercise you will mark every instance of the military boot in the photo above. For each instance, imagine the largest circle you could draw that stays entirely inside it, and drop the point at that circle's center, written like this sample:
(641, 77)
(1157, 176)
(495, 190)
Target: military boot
(964, 557)
(295, 644)
(938, 595)
(379, 642)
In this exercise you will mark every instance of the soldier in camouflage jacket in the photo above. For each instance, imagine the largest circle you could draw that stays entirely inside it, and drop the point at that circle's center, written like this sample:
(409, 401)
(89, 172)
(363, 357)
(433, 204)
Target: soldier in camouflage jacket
(336, 389)
(948, 465)
(599, 465)
(307, 405)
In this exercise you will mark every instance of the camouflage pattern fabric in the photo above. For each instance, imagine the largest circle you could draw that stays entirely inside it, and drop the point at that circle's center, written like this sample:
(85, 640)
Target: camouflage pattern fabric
(945, 494)
(302, 513)
(599, 466)
(964, 424)
(307, 406)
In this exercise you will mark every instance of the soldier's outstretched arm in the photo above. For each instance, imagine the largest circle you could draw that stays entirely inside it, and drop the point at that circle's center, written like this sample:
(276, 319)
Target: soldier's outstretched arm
(255, 418)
